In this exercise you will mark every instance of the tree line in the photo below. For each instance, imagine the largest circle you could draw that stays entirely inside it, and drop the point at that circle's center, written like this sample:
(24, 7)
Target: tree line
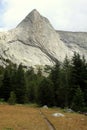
(65, 85)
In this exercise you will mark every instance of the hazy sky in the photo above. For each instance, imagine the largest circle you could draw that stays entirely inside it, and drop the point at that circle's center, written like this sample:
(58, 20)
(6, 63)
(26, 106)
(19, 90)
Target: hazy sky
(63, 14)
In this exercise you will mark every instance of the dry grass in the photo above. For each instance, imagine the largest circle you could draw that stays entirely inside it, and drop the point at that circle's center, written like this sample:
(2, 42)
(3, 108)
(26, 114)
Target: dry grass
(21, 118)
(71, 121)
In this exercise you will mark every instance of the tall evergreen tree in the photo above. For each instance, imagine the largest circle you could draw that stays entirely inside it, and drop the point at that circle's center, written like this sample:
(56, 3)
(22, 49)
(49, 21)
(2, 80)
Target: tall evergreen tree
(20, 88)
(65, 83)
(6, 84)
(78, 69)
(1, 75)
(79, 73)
(46, 93)
(55, 78)
(31, 84)
(78, 100)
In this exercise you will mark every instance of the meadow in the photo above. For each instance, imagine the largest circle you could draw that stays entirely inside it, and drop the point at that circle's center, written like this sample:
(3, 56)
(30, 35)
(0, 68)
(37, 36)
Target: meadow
(21, 117)
(25, 117)
(70, 121)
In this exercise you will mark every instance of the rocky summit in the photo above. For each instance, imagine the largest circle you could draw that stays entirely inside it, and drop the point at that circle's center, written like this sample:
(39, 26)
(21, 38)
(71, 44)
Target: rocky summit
(34, 42)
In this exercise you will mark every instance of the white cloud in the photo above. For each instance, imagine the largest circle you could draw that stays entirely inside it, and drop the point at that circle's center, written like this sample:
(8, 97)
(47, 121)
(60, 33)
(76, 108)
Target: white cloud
(63, 14)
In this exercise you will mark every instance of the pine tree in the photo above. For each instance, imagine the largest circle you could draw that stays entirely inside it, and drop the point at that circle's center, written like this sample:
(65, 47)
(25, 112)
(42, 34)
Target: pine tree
(65, 84)
(46, 93)
(55, 78)
(78, 69)
(31, 91)
(31, 83)
(1, 77)
(79, 74)
(6, 85)
(20, 88)
(78, 100)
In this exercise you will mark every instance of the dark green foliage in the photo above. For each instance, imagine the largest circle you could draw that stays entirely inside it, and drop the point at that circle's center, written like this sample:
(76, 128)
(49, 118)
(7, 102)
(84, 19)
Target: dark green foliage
(1, 75)
(32, 82)
(12, 98)
(79, 74)
(46, 93)
(79, 70)
(65, 82)
(31, 91)
(66, 85)
(20, 86)
(78, 100)
(6, 85)
(55, 78)
(54, 75)
(1, 100)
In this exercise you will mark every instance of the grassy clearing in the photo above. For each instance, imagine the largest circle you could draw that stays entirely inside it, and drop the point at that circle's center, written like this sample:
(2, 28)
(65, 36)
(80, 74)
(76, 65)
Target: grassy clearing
(71, 121)
(21, 118)
(28, 117)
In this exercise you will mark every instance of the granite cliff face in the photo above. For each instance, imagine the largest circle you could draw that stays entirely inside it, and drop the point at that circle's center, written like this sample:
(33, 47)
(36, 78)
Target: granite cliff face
(35, 42)
(75, 41)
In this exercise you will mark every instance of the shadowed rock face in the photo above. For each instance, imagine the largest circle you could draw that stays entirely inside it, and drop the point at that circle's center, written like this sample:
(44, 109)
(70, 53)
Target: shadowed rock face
(35, 42)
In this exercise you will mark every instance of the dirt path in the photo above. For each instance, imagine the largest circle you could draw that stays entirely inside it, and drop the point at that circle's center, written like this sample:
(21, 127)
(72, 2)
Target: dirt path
(50, 125)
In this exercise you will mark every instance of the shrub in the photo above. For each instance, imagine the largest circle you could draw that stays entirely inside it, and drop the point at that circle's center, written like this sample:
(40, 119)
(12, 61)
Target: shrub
(12, 98)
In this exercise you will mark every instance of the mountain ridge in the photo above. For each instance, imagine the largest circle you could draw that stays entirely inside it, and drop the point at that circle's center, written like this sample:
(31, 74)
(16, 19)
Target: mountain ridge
(35, 42)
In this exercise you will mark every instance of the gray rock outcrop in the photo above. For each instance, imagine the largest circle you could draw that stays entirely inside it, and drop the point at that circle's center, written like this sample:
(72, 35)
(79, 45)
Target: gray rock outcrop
(35, 42)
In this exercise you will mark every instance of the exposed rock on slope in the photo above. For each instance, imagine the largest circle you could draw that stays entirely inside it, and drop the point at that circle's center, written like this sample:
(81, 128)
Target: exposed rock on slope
(75, 41)
(35, 42)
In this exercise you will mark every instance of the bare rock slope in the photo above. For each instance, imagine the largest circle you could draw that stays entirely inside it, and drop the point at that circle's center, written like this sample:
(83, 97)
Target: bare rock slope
(35, 42)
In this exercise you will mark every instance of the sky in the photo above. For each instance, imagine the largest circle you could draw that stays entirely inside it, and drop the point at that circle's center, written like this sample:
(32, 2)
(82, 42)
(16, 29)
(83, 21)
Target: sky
(68, 15)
